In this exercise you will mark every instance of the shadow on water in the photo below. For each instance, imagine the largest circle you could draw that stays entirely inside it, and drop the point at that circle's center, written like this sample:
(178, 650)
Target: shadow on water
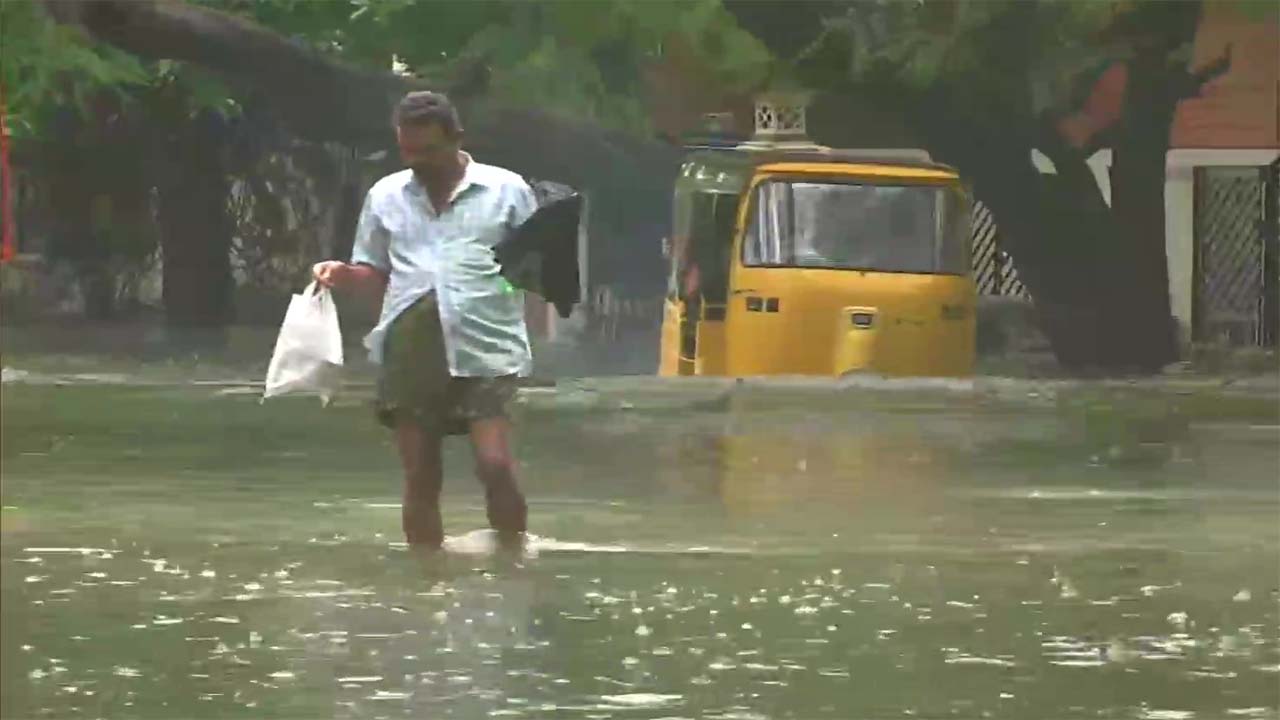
(702, 550)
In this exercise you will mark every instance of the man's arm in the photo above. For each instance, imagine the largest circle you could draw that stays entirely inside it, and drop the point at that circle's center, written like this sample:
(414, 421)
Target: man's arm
(370, 264)
(357, 277)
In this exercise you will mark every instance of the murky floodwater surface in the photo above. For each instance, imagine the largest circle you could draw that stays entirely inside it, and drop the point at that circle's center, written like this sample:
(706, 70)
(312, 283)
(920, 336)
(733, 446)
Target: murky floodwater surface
(776, 551)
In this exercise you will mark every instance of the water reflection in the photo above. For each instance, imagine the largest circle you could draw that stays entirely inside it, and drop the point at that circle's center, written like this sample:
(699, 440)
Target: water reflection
(763, 555)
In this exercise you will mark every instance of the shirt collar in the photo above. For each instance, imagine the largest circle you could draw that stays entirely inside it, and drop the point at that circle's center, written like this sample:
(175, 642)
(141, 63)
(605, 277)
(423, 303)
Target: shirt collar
(472, 175)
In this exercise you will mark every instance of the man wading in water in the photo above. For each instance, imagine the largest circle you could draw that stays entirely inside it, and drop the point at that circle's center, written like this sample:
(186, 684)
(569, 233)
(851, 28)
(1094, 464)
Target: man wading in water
(451, 338)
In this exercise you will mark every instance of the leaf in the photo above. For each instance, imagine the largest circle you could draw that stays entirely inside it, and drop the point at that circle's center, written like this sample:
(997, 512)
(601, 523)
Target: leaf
(42, 64)
(205, 91)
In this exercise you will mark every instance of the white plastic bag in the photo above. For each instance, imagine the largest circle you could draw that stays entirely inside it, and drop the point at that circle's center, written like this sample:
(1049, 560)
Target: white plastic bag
(308, 354)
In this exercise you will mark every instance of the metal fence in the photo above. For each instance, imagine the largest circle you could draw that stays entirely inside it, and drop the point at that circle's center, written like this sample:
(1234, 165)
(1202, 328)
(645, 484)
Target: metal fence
(1230, 233)
(993, 269)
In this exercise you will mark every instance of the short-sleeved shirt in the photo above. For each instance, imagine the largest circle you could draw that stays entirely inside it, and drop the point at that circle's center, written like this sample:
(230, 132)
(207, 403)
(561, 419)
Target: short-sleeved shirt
(451, 253)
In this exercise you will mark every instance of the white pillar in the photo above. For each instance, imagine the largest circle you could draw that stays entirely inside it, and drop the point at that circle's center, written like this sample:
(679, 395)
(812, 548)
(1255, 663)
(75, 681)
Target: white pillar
(584, 237)
(1180, 242)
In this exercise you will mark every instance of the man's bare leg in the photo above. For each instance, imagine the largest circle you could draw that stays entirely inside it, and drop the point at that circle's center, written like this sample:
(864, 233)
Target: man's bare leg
(495, 468)
(423, 477)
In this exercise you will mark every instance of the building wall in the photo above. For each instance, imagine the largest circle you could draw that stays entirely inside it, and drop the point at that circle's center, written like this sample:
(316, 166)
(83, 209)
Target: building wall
(1235, 122)
(1240, 109)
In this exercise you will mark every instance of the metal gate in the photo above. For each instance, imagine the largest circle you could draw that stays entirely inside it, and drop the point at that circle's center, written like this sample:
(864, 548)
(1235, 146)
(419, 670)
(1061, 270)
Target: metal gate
(993, 269)
(1231, 253)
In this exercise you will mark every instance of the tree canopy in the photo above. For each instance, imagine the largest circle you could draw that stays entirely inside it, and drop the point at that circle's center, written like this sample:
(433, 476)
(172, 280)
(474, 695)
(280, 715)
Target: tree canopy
(562, 90)
(579, 60)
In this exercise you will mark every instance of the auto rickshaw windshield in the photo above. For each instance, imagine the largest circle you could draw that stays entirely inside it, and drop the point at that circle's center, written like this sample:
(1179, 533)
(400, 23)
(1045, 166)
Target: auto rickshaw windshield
(849, 226)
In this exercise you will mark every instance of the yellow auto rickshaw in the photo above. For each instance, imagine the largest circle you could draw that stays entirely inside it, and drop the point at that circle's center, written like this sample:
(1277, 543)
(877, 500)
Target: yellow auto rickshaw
(799, 259)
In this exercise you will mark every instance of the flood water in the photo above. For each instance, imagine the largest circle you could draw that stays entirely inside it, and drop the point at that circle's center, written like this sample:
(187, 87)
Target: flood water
(780, 550)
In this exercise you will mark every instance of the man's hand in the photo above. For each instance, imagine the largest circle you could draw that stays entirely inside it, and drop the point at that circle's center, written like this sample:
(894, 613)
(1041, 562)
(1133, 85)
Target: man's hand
(331, 273)
(347, 277)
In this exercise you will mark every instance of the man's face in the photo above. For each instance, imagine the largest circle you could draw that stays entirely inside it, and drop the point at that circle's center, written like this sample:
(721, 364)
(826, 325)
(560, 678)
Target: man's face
(428, 150)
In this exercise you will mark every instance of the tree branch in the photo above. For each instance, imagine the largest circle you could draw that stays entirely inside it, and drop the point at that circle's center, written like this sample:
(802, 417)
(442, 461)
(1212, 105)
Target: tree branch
(316, 97)
(1190, 84)
(323, 100)
(786, 27)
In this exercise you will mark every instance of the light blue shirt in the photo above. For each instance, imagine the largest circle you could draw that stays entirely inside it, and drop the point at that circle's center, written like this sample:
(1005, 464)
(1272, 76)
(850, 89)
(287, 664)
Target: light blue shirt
(401, 234)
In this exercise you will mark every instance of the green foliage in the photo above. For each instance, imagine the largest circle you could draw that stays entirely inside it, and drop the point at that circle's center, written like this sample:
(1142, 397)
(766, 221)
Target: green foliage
(1015, 54)
(1018, 58)
(44, 65)
(200, 89)
(581, 58)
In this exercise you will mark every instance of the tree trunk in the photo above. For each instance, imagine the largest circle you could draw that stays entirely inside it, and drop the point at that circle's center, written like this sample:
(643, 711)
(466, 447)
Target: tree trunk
(1140, 147)
(348, 218)
(75, 241)
(195, 238)
(1140, 332)
(1144, 327)
(74, 185)
(1066, 249)
(98, 287)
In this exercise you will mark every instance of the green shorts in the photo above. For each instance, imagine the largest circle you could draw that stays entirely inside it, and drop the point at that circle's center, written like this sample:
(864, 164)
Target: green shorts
(415, 383)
